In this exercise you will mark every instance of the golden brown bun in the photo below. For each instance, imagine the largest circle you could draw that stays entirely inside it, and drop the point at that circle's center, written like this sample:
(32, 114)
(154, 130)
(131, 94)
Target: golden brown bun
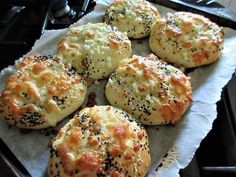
(186, 39)
(41, 93)
(100, 141)
(132, 16)
(94, 50)
(149, 89)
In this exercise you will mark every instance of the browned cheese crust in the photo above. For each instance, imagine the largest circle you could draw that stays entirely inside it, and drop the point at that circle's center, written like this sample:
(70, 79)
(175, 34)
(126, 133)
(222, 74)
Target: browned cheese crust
(135, 17)
(41, 93)
(100, 141)
(94, 50)
(186, 39)
(150, 90)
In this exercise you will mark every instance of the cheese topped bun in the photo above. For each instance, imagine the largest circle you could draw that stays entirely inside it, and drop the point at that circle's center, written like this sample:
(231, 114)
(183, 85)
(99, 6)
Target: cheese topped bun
(41, 93)
(132, 16)
(186, 39)
(94, 50)
(149, 89)
(100, 141)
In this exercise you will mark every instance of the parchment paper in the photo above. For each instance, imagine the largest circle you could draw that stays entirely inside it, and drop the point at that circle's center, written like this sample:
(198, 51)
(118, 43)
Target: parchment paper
(180, 141)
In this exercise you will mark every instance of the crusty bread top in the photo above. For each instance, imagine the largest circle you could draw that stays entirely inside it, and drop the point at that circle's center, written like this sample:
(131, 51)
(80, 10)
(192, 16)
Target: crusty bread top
(94, 50)
(132, 16)
(186, 39)
(101, 141)
(149, 89)
(38, 95)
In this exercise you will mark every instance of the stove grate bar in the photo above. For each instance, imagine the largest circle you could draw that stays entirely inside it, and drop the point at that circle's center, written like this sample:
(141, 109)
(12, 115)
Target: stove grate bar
(228, 171)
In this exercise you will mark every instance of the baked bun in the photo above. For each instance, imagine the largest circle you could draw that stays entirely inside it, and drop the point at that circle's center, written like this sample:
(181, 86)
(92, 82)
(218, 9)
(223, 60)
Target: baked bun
(186, 39)
(132, 16)
(149, 89)
(100, 141)
(94, 50)
(41, 93)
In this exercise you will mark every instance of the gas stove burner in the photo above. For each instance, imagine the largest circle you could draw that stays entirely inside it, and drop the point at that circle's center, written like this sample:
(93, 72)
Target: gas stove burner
(60, 9)
(65, 16)
(61, 12)
(23, 21)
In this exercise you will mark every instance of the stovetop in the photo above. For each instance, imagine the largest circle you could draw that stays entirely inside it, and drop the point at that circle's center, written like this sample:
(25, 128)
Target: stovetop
(22, 23)
(216, 156)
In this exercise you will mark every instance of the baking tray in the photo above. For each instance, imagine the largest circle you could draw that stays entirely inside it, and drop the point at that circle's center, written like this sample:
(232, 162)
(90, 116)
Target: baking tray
(10, 166)
(215, 11)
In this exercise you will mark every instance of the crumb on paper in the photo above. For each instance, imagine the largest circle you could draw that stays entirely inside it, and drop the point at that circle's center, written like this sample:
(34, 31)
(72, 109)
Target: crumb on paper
(96, 82)
(170, 156)
(91, 99)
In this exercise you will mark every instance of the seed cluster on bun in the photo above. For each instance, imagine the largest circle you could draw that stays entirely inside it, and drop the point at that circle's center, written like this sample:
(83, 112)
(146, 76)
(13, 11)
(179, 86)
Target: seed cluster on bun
(41, 93)
(94, 50)
(151, 90)
(100, 141)
(135, 17)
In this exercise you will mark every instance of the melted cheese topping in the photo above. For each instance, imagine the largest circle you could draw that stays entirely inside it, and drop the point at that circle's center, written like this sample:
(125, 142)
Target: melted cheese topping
(41, 93)
(149, 89)
(94, 50)
(186, 39)
(100, 141)
(133, 16)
